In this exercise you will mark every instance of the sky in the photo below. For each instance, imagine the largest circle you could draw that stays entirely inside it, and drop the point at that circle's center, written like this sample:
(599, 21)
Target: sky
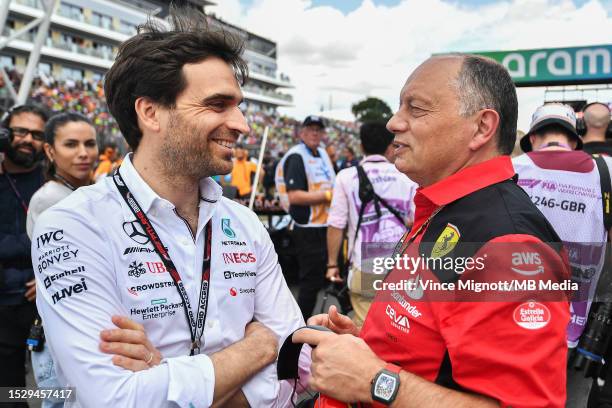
(338, 52)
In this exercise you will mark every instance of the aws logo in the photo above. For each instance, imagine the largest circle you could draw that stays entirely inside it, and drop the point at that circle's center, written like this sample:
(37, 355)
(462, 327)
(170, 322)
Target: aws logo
(527, 263)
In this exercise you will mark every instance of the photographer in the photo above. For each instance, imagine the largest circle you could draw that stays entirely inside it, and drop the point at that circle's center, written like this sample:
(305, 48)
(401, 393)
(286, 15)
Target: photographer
(21, 176)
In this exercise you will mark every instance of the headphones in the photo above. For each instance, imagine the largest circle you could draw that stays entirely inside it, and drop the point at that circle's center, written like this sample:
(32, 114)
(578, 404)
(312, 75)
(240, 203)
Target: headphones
(581, 128)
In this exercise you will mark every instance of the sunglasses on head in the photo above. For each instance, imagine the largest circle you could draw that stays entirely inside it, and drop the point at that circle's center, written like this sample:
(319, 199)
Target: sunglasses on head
(23, 132)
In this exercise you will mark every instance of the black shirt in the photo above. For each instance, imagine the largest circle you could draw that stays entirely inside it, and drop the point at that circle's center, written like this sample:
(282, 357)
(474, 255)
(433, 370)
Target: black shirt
(295, 179)
(598, 147)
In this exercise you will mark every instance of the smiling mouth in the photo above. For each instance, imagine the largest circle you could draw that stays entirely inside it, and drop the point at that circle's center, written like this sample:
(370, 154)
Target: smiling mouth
(230, 144)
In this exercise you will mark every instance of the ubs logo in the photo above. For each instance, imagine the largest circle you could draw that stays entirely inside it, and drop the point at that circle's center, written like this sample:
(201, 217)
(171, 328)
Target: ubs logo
(135, 231)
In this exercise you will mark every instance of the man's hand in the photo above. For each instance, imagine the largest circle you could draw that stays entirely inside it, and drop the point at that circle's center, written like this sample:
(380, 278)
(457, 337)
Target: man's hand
(133, 350)
(31, 291)
(265, 338)
(333, 274)
(336, 322)
(344, 375)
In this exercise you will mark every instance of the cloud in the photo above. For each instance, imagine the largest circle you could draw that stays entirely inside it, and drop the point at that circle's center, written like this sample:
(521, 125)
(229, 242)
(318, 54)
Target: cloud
(371, 50)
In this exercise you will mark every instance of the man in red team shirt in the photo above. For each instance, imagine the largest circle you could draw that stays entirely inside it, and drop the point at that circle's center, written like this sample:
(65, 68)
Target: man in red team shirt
(454, 130)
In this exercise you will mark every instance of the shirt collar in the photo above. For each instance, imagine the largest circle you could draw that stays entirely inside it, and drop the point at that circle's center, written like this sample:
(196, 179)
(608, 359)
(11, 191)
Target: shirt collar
(210, 191)
(374, 158)
(469, 180)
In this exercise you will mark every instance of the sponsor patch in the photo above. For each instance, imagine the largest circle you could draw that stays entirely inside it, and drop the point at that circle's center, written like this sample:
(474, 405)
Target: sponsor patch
(398, 320)
(135, 231)
(531, 315)
(446, 241)
(136, 269)
(227, 229)
(48, 237)
(527, 263)
(69, 291)
(239, 257)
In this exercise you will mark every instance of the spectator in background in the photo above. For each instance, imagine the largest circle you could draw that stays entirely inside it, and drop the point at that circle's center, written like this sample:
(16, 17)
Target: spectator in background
(107, 162)
(22, 176)
(243, 172)
(331, 152)
(304, 181)
(596, 120)
(72, 150)
(349, 159)
(269, 167)
(363, 224)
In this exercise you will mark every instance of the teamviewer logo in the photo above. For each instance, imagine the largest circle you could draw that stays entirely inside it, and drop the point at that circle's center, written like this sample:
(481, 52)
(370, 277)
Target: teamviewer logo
(227, 275)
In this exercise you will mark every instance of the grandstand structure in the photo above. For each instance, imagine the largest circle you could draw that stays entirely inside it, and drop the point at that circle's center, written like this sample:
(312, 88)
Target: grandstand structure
(84, 35)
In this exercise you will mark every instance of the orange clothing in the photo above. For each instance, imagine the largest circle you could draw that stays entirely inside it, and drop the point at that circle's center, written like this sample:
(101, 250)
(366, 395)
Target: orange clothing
(242, 174)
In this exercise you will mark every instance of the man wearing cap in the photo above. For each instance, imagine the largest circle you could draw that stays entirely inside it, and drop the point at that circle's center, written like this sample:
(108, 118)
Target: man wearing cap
(304, 180)
(596, 118)
(565, 184)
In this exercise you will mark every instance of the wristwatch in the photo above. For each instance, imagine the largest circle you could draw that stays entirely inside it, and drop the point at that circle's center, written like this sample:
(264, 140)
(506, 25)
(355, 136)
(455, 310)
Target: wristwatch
(385, 386)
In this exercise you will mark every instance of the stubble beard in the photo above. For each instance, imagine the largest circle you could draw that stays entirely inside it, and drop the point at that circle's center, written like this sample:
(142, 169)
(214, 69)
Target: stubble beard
(185, 152)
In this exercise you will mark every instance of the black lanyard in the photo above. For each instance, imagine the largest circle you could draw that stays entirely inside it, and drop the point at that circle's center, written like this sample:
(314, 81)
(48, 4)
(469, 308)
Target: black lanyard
(400, 248)
(196, 326)
(14, 188)
(64, 182)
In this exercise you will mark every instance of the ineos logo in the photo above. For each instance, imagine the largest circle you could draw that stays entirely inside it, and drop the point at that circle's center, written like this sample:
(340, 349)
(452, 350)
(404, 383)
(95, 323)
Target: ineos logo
(135, 231)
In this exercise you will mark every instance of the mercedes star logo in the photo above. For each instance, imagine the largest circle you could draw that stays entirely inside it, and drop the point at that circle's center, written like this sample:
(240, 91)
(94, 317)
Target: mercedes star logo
(135, 231)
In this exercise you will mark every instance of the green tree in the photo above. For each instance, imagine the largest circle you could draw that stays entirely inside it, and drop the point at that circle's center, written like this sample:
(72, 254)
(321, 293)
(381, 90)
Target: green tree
(371, 109)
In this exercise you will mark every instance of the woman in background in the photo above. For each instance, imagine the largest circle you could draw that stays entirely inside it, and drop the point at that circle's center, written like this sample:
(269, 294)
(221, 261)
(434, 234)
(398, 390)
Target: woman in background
(71, 150)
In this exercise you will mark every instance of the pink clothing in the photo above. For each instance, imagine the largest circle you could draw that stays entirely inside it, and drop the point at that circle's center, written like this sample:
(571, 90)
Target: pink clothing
(396, 188)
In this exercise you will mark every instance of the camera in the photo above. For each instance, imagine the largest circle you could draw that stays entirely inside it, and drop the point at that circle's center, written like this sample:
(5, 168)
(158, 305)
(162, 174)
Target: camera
(595, 339)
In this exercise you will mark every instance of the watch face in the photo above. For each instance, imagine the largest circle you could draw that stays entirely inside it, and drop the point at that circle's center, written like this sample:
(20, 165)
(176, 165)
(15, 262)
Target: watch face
(385, 386)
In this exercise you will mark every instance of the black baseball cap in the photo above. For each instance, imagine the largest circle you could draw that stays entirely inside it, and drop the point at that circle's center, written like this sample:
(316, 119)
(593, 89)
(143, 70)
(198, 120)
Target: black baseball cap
(314, 120)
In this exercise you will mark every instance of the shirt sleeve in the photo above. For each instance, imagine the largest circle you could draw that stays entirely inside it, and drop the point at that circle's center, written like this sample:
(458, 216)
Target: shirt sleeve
(77, 295)
(504, 342)
(276, 308)
(295, 173)
(339, 209)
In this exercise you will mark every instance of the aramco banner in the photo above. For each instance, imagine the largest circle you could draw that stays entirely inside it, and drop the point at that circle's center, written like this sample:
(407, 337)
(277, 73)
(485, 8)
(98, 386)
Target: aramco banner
(557, 66)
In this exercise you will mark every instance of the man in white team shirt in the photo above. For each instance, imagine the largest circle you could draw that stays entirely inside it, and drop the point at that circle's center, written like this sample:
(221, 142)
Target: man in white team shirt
(564, 183)
(159, 244)
(397, 191)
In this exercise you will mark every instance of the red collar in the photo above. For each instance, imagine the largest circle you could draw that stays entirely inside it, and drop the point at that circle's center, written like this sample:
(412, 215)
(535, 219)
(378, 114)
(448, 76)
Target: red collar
(460, 184)
(468, 180)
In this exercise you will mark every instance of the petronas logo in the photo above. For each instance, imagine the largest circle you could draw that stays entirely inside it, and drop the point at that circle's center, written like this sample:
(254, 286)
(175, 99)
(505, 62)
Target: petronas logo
(227, 230)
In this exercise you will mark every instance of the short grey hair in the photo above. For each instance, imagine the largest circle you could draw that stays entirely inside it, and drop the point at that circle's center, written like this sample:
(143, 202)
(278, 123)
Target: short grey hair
(483, 83)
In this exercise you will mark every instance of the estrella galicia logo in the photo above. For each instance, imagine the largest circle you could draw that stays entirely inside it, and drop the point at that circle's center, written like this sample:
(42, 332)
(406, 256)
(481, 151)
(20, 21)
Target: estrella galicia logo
(227, 230)
(135, 231)
(136, 269)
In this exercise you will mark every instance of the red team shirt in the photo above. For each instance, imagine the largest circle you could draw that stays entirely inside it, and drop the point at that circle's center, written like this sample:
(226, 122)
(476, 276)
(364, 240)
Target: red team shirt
(511, 347)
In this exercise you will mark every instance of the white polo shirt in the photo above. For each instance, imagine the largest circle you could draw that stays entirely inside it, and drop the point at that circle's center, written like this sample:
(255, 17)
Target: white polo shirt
(92, 260)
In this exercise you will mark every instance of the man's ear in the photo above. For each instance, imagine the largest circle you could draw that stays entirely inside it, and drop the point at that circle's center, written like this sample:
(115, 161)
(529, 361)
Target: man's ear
(486, 124)
(148, 114)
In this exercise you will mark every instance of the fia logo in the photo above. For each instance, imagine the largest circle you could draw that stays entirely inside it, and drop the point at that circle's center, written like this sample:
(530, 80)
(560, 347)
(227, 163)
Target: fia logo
(227, 230)
(136, 269)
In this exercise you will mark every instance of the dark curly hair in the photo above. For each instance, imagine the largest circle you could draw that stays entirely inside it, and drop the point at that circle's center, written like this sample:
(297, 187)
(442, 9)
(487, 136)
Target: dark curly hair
(150, 64)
